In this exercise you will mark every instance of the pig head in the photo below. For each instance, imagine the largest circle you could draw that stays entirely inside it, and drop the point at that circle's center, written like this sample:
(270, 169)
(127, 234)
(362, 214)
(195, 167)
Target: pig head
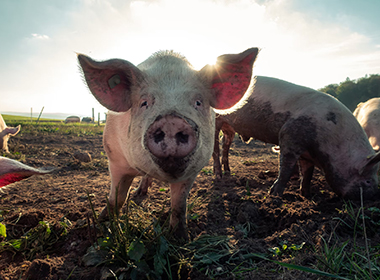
(161, 120)
(368, 115)
(12, 171)
(5, 133)
(311, 128)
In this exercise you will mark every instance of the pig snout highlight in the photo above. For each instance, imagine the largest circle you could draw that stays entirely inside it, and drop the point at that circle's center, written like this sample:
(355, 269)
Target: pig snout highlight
(170, 139)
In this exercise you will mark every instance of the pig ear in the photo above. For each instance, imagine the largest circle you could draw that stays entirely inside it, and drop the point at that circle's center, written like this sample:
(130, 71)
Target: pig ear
(111, 81)
(13, 171)
(230, 77)
(12, 130)
(371, 161)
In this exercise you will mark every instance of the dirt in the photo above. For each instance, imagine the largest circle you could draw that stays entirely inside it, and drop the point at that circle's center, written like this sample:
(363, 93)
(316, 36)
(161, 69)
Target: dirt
(223, 207)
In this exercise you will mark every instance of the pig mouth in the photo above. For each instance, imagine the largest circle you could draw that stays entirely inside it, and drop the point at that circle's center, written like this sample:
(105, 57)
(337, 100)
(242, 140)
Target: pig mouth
(173, 166)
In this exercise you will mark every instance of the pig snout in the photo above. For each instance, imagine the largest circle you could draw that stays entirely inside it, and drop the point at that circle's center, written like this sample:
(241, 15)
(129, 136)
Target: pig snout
(170, 139)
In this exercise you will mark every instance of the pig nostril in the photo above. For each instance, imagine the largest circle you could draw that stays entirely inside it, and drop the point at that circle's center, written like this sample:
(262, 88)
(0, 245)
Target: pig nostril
(182, 138)
(158, 136)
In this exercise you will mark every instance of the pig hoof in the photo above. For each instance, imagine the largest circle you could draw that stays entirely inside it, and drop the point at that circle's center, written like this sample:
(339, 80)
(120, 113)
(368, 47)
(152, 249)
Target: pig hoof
(103, 215)
(140, 192)
(273, 191)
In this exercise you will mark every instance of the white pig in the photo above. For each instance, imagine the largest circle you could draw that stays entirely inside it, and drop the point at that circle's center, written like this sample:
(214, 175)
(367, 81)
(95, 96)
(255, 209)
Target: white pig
(311, 127)
(161, 122)
(368, 115)
(12, 171)
(5, 133)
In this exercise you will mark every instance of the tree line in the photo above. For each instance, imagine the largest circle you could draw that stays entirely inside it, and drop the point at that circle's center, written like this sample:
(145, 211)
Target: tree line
(352, 92)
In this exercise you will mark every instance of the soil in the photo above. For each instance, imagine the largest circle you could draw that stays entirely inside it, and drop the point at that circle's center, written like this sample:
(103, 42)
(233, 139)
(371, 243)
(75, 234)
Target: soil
(223, 207)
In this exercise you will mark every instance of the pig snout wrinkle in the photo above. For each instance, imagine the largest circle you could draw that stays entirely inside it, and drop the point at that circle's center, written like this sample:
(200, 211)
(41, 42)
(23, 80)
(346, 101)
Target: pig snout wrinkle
(170, 139)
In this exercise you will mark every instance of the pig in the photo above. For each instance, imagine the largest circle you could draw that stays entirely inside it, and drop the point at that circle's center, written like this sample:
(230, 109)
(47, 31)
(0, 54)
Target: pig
(161, 121)
(72, 119)
(368, 115)
(11, 171)
(310, 127)
(5, 133)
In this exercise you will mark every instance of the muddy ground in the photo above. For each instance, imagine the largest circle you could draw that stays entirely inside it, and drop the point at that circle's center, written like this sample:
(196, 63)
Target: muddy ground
(223, 207)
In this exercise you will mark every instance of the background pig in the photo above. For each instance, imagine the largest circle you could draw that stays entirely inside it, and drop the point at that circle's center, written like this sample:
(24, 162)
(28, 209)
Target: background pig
(163, 124)
(368, 115)
(310, 127)
(13, 171)
(5, 133)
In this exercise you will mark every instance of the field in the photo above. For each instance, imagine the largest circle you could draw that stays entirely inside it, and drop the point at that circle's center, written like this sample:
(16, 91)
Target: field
(236, 230)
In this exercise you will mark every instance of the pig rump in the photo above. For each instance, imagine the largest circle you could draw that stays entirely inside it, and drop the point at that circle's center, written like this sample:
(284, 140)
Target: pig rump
(164, 122)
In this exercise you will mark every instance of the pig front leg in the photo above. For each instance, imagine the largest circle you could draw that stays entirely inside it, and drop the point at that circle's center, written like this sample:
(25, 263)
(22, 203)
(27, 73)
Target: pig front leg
(179, 193)
(120, 184)
(287, 164)
(307, 168)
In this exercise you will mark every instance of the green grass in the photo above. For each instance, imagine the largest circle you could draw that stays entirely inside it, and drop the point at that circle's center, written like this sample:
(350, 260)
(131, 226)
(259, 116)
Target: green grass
(50, 126)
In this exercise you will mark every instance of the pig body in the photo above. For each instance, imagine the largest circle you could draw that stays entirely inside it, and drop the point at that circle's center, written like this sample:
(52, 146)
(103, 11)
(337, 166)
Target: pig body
(310, 127)
(161, 122)
(368, 115)
(72, 119)
(5, 133)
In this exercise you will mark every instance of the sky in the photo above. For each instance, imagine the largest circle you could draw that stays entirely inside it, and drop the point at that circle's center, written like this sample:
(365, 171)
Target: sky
(307, 42)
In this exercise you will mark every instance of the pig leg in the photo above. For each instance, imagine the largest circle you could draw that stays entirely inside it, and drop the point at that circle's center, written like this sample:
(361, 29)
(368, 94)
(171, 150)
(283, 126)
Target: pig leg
(287, 164)
(307, 168)
(145, 183)
(292, 146)
(215, 155)
(120, 183)
(228, 138)
(179, 193)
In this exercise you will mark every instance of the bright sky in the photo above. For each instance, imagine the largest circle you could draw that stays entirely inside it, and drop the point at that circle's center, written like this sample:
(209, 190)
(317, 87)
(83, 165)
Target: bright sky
(308, 42)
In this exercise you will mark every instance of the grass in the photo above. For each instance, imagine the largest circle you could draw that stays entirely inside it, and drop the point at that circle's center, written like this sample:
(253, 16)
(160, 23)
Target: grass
(48, 126)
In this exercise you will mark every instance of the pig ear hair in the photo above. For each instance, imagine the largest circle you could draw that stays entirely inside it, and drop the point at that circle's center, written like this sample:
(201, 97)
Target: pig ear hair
(230, 77)
(13, 171)
(371, 161)
(111, 81)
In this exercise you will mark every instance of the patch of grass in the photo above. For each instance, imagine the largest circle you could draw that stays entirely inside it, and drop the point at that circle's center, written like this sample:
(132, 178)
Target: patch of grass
(207, 171)
(38, 240)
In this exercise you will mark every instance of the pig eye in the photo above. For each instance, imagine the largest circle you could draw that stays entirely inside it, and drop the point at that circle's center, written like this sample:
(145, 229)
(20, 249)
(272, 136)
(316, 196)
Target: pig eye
(144, 104)
(197, 104)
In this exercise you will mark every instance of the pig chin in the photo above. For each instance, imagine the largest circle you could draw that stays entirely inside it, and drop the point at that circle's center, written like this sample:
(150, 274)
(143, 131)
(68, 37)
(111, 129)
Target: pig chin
(173, 167)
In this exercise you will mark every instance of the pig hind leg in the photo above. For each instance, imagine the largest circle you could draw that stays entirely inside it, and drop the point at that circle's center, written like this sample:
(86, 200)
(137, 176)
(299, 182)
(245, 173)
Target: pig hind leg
(216, 153)
(228, 138)
(144, 185)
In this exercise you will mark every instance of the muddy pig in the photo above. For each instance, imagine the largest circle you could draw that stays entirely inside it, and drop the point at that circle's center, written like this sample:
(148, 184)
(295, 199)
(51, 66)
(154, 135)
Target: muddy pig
(310, 127)
(12, 171)
(5, 133)
(368, 115)
(161, 121)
